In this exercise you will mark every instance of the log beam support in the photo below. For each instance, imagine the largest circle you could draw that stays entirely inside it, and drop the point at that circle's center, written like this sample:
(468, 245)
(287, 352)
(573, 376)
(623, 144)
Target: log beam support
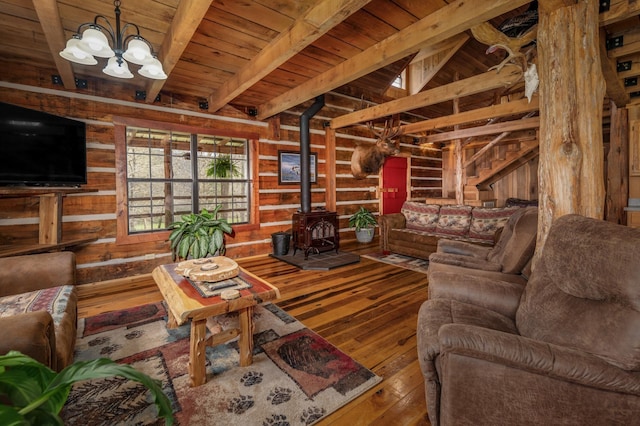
(572, 88)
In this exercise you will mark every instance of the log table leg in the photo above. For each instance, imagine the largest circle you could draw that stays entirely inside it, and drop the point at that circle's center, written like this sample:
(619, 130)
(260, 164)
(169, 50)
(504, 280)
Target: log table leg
(245, 342)
(171, 320)
(197, 352)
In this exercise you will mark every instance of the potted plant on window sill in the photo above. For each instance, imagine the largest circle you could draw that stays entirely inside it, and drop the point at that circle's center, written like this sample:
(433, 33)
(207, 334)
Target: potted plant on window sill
(364, 222)
(199, 235)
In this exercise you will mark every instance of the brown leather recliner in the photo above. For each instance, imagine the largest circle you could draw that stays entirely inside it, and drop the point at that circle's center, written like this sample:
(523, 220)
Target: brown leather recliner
(571, 353)
(493, 277)
(36, 333)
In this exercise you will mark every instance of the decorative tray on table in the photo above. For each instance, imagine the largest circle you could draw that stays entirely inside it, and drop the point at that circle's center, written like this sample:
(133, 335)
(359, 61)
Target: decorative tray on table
(213, 276)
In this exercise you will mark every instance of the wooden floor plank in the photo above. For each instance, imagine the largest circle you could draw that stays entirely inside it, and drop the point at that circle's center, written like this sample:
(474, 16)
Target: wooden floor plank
(368, 310)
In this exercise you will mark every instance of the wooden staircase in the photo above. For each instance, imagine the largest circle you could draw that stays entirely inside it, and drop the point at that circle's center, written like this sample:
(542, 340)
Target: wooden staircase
(477, 190)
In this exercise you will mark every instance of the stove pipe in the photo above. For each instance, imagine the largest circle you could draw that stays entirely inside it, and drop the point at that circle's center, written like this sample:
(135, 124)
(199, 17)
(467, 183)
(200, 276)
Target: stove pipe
(305, 154)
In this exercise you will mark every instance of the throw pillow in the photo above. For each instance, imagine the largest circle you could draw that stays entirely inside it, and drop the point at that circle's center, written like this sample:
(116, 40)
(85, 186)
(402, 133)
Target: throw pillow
(486, 221)
(454, 220)
(420, 216)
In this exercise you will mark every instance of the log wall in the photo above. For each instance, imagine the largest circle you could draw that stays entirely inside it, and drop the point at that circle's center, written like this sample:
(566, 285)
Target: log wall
(92, 213)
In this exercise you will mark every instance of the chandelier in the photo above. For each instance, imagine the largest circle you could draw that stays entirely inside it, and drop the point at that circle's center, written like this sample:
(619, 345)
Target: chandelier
(83, 49)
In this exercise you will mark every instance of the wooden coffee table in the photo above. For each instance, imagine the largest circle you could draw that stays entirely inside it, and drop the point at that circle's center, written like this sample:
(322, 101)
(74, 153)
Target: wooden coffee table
(185, 303)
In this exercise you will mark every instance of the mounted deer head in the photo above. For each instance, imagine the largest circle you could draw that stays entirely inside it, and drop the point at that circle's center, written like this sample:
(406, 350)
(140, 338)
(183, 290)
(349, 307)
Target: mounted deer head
(367, 160)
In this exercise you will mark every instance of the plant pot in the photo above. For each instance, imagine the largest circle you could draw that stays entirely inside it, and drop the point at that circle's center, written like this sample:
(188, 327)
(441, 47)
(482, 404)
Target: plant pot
(365, 235)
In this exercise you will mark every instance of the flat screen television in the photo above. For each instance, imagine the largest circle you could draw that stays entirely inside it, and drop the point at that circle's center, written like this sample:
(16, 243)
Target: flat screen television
(40, 149)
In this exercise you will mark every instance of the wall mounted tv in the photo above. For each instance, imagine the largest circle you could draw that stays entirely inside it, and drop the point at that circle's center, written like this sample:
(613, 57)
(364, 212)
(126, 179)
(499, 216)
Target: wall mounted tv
(40, 149)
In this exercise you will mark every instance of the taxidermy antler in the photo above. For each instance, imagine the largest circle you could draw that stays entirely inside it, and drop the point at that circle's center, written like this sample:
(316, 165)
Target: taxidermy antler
(367, 160)
(511, 35)
(488, 34)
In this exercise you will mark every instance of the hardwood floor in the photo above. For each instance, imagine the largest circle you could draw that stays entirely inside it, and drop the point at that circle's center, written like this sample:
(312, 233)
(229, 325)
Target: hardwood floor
(368, 310)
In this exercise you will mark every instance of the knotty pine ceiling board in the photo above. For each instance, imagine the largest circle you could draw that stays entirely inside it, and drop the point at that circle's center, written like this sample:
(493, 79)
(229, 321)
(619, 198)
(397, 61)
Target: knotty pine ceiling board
(240, 24)
(256, 14)
(292, 9)
(336, 46)
(370, 26)
(391, 13)
(348, 32)
(218, 30)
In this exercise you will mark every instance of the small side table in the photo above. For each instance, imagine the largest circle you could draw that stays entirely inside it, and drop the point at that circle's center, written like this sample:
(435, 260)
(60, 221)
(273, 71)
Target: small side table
(185, 303)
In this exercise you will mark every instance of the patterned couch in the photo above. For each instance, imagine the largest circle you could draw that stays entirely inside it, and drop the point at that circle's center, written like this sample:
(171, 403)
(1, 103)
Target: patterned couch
(415, 231)
(38, 307)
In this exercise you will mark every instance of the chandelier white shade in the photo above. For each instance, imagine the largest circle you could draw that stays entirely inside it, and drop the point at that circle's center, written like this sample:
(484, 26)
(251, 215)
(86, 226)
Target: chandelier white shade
(115, 69)
(83, 49)
(73, 52)
(153, 70)
(95, 42)
(138, 52)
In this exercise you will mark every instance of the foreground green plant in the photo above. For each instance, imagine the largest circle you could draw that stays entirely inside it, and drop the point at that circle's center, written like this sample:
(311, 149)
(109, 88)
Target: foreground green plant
(36, 393)
(198, 235)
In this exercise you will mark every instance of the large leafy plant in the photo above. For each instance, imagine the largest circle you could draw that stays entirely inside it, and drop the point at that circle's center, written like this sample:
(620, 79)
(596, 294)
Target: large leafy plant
(199, 235)
(363, 218)
(33, 394)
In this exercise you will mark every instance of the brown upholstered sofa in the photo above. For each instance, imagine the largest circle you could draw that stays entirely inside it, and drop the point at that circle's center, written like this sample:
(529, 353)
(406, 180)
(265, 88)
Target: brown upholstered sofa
(38, 307)
(491, 276)
(569, 355)
(415, 231)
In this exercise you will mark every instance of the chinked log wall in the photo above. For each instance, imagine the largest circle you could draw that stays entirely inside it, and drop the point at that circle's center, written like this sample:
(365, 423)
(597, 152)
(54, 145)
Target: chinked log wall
(92, 213)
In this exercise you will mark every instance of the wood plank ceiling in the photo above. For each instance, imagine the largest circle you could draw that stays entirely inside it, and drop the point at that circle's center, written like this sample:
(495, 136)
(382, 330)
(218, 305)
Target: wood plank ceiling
(264, 56)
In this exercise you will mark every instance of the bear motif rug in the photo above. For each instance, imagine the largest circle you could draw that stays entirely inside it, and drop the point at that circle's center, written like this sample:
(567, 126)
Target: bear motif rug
(296, 378)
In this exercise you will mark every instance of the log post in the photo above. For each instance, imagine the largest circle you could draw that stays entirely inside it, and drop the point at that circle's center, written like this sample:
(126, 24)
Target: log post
(458, 153)
(572, 90)
(618, 166)
(331, 169)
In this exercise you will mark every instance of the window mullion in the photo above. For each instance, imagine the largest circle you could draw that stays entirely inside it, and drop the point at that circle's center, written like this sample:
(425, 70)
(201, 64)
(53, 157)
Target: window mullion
(195, 199)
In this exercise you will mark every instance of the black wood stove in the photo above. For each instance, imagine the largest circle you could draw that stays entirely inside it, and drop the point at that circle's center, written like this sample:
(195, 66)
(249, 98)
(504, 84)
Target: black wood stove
(313, 230)
(316, 232)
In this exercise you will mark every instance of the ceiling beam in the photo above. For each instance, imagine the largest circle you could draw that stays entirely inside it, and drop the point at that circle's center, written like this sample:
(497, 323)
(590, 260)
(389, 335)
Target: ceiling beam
(442, 24)
(489, 129)
(620, 10)
(185, 22)
(549, 6)
(521, 106)
(305, 30)
(429, 61)
(49, 17)
(615, 87)
(469, 86)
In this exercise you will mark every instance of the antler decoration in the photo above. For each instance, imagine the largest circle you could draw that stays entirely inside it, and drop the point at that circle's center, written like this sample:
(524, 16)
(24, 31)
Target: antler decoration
(368, 160)
(388, 131)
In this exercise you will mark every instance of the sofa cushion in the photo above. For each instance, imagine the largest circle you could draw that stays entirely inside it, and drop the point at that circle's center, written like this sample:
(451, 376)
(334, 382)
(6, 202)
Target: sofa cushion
(420, 216)
(454, 220)
(486, 221)
(54, 300)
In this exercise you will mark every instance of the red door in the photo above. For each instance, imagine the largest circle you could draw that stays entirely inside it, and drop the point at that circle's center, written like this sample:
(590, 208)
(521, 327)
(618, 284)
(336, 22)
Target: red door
(393, 188)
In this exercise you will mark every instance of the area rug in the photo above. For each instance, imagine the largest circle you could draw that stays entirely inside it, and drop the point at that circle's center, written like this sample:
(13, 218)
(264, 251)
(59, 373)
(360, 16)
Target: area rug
(319, 261)
(407, 262)
(297, 377)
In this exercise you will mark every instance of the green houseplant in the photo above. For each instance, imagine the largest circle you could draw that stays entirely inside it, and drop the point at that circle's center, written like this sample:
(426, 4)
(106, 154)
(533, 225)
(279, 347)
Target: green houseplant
(223, 167)
(199, 235)
(33, 394)
(364, 222)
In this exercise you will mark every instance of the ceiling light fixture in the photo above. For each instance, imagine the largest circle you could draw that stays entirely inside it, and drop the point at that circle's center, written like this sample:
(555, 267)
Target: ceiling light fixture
(83, 49)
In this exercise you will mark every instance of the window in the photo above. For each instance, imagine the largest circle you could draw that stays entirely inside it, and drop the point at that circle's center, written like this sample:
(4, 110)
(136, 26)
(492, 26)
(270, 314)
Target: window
(174, 170)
